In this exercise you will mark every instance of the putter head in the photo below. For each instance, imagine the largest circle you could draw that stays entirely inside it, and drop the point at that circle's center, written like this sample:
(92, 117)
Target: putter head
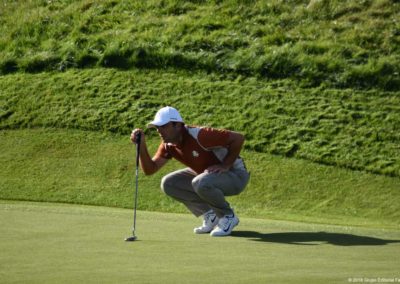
(130, 239)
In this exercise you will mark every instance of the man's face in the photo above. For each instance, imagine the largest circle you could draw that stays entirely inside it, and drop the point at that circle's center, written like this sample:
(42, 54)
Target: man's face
(170, 132)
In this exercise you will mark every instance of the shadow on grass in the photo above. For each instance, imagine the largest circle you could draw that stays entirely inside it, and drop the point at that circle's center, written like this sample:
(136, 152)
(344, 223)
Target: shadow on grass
(313, 238)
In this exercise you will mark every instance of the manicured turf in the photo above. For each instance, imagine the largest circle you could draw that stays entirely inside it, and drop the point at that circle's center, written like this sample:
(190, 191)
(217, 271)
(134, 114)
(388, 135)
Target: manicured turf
(57, 243)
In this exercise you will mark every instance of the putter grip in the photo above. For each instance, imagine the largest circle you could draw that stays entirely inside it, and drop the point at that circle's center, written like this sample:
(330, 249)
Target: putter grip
(138, 137)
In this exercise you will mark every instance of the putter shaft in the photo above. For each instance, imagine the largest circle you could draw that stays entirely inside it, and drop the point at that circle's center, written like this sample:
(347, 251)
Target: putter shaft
(129, 239)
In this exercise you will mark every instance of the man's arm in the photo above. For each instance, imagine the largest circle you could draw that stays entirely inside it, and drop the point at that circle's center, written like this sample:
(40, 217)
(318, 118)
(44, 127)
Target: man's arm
(149, 165)
(234, 145)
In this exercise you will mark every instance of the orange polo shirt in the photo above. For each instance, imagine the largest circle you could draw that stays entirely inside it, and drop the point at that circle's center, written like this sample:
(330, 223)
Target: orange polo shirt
(196, 153)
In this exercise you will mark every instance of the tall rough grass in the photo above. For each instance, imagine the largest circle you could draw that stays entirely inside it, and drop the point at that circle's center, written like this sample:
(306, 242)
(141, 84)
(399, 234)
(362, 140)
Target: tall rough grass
(330, 43)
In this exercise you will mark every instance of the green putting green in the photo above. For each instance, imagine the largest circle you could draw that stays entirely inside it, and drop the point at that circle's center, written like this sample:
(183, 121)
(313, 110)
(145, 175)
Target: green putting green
(58, 243)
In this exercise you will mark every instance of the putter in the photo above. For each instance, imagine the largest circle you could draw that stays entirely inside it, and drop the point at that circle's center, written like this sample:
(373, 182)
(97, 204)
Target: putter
(133, 237)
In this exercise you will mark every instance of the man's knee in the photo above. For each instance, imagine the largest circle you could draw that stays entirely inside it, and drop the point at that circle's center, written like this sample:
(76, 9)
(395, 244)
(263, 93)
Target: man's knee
(172, 184)
(166, 186)
(201, 183)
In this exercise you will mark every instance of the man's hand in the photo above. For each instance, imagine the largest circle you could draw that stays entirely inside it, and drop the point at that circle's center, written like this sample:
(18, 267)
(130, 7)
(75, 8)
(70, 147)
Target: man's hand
(216, 169)
(134, 134)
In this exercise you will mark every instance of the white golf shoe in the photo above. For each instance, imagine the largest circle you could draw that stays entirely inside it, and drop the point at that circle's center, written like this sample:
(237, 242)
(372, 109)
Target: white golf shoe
(225, 226)
(210, 220)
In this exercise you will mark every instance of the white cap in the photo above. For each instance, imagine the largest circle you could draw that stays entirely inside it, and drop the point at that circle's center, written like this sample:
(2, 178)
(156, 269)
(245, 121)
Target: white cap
(165, 115)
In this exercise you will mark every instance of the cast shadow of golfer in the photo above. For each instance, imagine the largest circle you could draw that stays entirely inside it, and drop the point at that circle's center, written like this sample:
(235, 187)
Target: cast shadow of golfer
(314, 238)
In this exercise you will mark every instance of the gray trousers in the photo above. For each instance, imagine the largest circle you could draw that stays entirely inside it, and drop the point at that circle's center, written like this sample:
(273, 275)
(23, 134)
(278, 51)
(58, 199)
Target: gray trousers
(205, 191)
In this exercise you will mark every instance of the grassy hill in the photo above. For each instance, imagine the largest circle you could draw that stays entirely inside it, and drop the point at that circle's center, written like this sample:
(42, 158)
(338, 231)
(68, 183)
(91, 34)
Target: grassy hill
(307, 80)
(317, 80)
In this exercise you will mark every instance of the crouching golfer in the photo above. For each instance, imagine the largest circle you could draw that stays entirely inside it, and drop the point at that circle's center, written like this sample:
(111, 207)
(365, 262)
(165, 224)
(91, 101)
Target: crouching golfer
(214, 168)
